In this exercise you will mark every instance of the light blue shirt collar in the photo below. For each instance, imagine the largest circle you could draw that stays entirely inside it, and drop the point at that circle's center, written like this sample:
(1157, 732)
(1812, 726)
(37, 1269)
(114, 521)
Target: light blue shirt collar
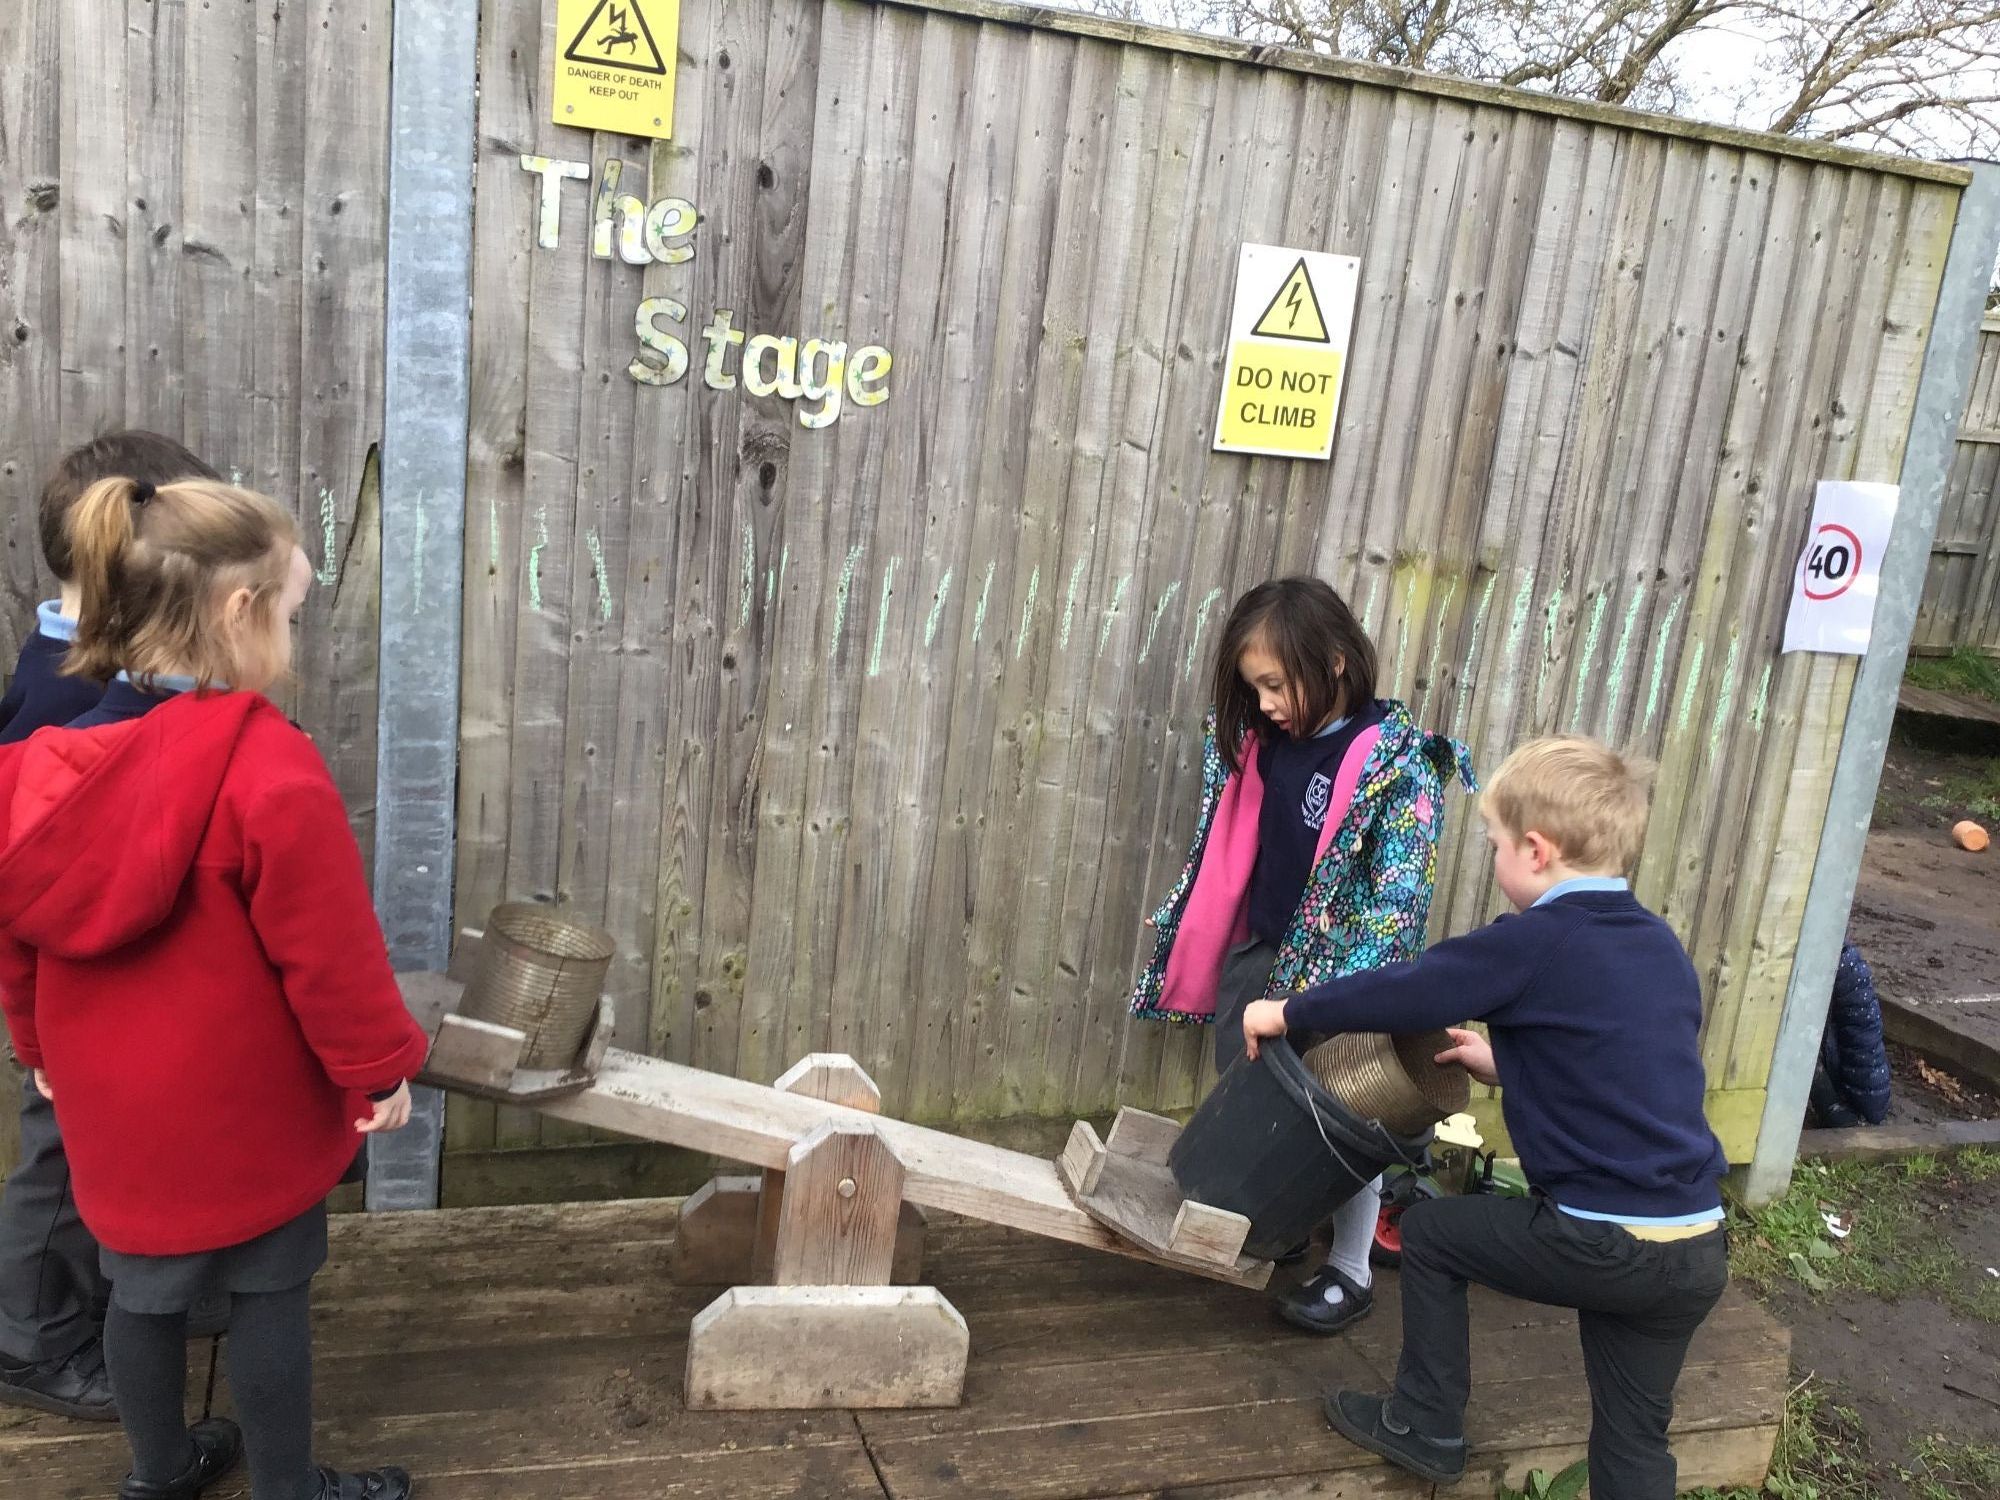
(1335, 727)
(164, 685)
(52, 622)
(1582, 883)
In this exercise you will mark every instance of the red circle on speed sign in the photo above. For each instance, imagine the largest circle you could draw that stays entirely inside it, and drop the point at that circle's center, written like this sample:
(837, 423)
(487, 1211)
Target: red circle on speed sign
(1833, 558)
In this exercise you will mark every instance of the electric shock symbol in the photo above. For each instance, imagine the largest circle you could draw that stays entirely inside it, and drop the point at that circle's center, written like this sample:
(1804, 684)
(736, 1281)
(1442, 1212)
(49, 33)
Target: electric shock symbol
(1294, 313)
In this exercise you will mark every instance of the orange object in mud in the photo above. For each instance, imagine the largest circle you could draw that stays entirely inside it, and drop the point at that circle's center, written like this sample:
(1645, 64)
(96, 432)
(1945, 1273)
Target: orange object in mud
(1969, 835)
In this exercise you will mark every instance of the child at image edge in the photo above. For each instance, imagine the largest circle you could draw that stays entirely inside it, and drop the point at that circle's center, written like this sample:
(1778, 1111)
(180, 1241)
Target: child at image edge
(1314, 855)
(191, 966)
(52, 1288)
(1594, 1015)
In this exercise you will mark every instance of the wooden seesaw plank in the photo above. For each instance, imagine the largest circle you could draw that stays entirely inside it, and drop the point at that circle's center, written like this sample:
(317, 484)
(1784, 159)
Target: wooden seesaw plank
(655, 1100)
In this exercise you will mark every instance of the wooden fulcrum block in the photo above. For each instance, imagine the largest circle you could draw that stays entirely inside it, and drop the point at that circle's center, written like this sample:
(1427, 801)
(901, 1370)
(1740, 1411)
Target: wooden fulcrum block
(778, 1348)
(715, 1243)
(837, 1222)
(837, 1079)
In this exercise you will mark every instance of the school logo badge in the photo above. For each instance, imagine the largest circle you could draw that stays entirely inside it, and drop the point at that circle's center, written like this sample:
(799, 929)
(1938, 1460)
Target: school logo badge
(1318, 791)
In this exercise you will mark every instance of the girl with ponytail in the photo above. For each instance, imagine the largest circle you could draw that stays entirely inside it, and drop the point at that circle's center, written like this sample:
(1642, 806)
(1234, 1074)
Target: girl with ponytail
(191, 965)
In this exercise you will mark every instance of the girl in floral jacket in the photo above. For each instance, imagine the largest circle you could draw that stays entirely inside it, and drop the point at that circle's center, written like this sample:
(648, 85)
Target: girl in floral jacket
(1314, 853)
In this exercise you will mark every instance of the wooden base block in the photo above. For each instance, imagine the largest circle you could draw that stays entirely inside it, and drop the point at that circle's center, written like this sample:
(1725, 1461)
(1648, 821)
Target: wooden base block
(783, 1348)
(715, 1243)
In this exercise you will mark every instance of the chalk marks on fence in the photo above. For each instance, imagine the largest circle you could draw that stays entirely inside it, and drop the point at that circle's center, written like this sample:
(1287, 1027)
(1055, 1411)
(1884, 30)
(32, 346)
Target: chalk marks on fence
(840, 599)
(596, 546)
(1200, 621)
(979, 616)
(1028, 611)
(1666, 639)
(1158, 610)
(1069, 598)
(328, 573)
(535, 556)
(1111, 612)
(938, 597)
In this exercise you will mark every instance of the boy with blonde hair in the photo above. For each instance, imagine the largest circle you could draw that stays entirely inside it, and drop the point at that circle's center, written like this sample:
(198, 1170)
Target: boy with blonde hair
(1594, 1017)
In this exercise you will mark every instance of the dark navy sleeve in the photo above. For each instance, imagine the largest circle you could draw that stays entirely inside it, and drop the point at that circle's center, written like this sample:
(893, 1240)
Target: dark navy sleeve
(1465, 978)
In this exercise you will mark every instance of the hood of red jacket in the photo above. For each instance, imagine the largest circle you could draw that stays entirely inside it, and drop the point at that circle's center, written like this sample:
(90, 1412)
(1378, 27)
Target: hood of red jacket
(103, 825)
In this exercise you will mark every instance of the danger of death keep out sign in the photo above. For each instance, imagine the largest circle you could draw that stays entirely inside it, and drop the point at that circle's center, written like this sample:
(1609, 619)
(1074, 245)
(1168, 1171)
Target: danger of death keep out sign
(1288, 338)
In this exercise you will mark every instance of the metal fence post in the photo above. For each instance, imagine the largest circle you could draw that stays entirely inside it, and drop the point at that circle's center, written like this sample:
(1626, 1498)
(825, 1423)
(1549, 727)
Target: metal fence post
(432, 105)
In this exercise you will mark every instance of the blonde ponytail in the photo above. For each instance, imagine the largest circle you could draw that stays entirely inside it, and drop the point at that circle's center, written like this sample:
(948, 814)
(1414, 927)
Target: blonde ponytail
(102, 531)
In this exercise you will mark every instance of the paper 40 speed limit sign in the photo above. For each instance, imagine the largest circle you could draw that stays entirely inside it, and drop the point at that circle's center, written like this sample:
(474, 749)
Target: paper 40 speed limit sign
(1833, 561)
(1840, 569)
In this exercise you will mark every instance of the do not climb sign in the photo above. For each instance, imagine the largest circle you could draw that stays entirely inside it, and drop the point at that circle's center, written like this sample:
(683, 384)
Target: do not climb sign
(1287, 351)
(615, 65)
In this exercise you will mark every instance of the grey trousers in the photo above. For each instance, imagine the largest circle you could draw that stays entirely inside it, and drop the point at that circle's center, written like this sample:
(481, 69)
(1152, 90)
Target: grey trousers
(53, 1292)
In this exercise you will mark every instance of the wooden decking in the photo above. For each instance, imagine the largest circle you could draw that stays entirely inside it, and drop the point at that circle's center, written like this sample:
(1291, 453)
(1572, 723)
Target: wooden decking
(538, 1353)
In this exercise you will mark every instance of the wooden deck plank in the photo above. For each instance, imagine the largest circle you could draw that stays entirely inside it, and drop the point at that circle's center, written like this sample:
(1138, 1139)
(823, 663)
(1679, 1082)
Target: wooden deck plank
(537, 1353)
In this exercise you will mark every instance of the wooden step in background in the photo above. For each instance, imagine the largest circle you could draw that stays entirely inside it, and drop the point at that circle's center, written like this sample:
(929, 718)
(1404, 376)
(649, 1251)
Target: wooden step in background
(538, 1354)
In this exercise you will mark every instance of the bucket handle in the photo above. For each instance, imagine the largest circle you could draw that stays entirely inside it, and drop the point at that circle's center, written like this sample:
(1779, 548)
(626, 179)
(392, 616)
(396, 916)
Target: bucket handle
(1303, 1097)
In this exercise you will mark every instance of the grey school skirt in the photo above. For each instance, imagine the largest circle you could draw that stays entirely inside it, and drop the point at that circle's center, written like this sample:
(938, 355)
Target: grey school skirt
(1246, 974)
(276, 1261)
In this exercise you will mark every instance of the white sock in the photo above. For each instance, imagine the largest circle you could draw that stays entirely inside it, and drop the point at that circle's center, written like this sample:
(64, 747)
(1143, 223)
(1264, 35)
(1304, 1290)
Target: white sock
(1353, 1234)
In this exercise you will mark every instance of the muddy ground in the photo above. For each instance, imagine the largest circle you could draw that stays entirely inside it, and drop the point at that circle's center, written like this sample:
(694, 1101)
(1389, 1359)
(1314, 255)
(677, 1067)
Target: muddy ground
(1927, 918)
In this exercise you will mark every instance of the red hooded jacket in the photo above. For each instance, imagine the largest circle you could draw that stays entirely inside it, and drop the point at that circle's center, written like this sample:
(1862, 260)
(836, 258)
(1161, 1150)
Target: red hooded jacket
(187, 946)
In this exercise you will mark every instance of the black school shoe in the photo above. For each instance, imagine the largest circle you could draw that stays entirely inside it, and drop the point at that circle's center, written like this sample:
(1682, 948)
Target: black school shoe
(1305, 1305)
(74, 1386)
(374, 1484)
(1365, 1422)
(218, 1444)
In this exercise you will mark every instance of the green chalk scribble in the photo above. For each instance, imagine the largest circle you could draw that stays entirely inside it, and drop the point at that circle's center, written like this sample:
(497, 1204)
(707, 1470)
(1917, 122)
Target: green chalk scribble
(1069, 599)
(1200, 622)
(1666, 639)
(535, 557)
(596, 546)
(840, 599)
(937, 609)
(979, 614)
(1111, 611)
(1028, 610)
(329, 567)
(1158, 610)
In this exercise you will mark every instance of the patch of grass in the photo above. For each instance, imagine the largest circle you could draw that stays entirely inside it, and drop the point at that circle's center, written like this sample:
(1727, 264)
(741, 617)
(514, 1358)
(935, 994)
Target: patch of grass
(1893, 1247)
(1822, 1454)
(1966, 671)
(1976, 795)
(1943, 1470)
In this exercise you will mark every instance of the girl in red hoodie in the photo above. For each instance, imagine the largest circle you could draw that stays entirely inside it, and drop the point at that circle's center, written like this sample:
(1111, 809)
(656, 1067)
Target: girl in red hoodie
(190, 962)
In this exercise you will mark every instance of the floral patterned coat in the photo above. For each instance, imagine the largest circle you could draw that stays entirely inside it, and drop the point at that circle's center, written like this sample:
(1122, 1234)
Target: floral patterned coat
(1368, 897)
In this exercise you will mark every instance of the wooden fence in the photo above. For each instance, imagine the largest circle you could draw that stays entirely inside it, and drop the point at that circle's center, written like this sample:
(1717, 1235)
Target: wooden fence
(1962, 595)
(883, 735)
(192, 210)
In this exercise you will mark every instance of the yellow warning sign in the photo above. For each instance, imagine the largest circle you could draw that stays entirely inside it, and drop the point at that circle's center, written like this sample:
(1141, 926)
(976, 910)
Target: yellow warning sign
(1294, 313)
(1280, 400)
(1289, 329)
(616, 68)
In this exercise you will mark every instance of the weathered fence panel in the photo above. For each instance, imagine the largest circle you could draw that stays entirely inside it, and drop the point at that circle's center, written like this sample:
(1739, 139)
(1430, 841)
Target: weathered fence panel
(191, 241)
(1962, 595)
(882, 736)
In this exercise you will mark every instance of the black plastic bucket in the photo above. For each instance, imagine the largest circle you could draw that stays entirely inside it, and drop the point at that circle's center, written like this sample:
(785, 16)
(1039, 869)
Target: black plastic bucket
(1273, 1145)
